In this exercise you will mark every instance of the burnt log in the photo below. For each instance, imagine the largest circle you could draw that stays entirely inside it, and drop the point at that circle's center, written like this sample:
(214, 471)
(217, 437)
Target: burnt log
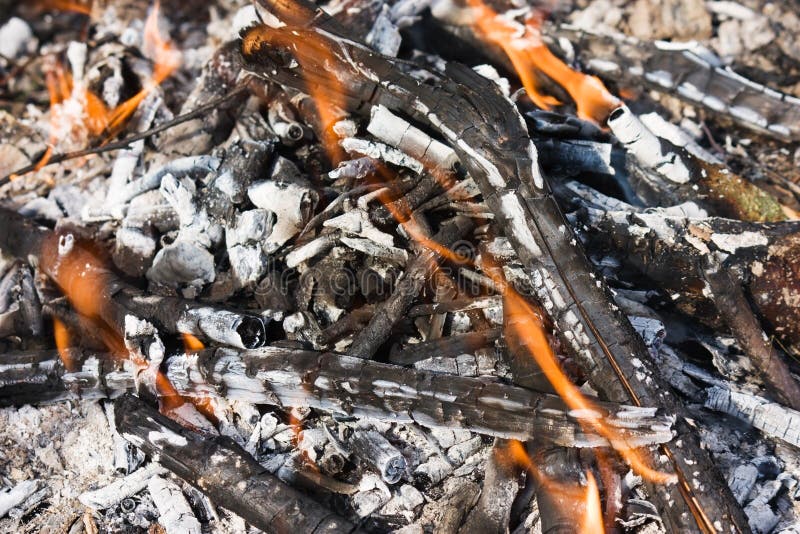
(97, 293)
(337, 384)
(224, 472)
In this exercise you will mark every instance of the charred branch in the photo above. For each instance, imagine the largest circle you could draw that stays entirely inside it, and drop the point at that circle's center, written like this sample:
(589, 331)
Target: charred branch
(224, 472)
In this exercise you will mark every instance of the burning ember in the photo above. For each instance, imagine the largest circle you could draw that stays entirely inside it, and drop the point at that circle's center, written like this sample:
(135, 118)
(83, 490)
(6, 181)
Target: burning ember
(340, 266)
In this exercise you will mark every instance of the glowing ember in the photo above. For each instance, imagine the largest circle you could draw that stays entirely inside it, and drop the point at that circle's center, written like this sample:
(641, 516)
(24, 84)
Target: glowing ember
(529, 55)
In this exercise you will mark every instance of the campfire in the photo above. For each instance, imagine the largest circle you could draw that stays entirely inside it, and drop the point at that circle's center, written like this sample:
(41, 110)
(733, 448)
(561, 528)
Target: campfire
(407, 266)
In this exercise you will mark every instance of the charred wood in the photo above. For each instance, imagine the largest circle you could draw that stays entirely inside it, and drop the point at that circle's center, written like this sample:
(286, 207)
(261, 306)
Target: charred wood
(390, 311)
(492, 142)
(224, 472)
(337, 384)
(690, 72)
(75, 267)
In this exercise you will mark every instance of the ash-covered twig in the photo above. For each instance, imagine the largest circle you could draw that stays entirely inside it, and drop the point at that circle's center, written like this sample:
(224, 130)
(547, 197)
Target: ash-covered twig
(224, 472)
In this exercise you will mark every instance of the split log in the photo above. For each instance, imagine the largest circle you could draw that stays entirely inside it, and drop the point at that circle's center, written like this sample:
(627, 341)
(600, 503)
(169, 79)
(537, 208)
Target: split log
(224, 472)
(490, 137)
(97, 293)
(337, 384)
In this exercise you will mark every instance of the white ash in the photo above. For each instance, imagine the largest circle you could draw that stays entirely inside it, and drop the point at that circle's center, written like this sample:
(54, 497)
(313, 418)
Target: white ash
(131, 484)
(195, 225)
(400, 134)
(403, 503)
(16, 37)
(185, 265)
(646, 147)
(732, 242)
(16, 495)
(384, 35)
(372, 249)
(142, 340)
(771, 418)
(310, 250)
(68, 448)
(176, 515)
(381, 152)
(177, 168)
(372, 494)
(289, 196)
(356, 221)
(244, 240)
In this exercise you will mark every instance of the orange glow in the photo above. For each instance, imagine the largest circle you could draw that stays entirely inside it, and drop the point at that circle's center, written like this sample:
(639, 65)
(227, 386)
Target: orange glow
(530, 56)
(61, 335)
(572, 496)
(191, 343)
(166, 60)
(312, 53)
(84, 8)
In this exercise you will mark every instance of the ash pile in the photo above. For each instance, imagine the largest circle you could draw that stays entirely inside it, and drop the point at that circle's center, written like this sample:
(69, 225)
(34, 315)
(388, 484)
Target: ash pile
(405, 266)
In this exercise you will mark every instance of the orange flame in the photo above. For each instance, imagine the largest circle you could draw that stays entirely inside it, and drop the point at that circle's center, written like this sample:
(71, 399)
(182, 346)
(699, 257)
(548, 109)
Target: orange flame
(61, 335)
(592, 521)
(527, 327)
(96, 118)
(573, 497)
(166, 60)
(84, 8)
(191, 343)
(529, 55)
(326, 95)
(86, 281)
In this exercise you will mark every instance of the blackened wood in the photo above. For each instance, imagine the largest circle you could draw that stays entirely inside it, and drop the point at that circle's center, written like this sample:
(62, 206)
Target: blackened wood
(491, 513)
(684, 256)
(224, 472)
(393, 309)
(202, 134)
(492, 142)
(445, 347)
(333, 383)
(363, 388)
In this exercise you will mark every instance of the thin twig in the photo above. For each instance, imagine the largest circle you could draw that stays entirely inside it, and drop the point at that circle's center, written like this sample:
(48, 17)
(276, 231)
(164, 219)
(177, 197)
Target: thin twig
(125, 143)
